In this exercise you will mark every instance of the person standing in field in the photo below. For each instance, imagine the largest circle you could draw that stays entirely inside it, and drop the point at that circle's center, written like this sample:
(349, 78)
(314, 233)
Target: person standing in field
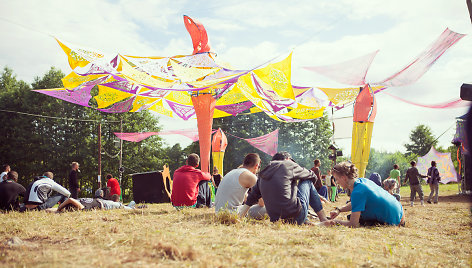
(216, 178)
(73, 180)
(395, 174)
(433, 181)
(414, 176)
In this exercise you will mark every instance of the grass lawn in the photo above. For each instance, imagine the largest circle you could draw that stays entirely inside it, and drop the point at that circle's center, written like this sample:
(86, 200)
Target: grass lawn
(435, 235)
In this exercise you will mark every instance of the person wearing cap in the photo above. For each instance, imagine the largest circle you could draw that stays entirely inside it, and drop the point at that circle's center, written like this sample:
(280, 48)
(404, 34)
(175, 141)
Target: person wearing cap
(73, 180)
(9, 192)
(287, 191)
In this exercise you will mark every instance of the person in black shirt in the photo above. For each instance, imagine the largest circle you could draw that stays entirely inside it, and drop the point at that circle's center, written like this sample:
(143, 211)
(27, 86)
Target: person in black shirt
(9, 192)
(215, 178)
(73, 180)
(414, 176)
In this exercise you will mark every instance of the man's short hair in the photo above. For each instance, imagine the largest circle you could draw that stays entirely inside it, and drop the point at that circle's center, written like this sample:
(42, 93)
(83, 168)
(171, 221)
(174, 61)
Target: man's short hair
(251, 160)
(5, 167)
(395, 166)
(281, 156)
(109, 176)
(12, 175)
(412, 163)
(99, 193)
(48, 174)
(316, 162)
(193, 160)
(433, 163)
(73, 164)
(115, 198)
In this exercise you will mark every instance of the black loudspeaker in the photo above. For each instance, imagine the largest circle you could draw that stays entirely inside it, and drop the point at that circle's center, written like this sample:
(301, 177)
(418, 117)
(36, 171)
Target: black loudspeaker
(149, 187)
(466, 92)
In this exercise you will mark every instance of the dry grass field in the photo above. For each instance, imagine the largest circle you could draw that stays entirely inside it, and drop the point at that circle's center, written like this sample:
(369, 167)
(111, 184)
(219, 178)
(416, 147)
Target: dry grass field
(159, 236)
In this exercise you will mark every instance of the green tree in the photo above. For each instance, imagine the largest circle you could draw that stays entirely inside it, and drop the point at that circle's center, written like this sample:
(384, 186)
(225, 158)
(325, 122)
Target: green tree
(32, 145)
(305, 141)
(421, 140)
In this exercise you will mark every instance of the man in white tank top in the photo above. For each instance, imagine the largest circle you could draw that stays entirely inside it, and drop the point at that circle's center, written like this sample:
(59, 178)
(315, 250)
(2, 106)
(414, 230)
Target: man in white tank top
(235, 184)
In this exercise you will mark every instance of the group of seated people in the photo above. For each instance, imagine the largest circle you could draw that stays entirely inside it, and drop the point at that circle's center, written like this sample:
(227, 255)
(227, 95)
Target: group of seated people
(284, 191)
(38, 196)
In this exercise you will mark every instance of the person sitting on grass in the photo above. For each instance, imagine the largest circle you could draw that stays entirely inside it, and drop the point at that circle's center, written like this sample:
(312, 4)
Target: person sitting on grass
(190, 185)
(9, 192)
(287, 191)
(370, 204)
(38, 193)
(320, 188)
(235, 185)
(414, 176)
(390, 186)
(114, 185)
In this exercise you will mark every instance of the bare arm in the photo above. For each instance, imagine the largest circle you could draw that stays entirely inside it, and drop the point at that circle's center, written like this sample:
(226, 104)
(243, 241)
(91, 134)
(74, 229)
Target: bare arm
(353, 221)
(72, 201)
(247, 179)
(345, 208)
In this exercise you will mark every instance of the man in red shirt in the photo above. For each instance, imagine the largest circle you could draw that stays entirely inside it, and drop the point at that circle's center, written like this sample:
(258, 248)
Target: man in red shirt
(190, 183)
(114, 185)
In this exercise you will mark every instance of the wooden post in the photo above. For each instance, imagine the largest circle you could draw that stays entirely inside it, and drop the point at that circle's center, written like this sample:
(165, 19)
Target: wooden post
(121, 151)
(99, 155)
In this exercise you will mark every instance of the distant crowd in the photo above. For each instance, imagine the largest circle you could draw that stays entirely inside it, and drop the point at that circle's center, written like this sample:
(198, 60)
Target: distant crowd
(283, 190)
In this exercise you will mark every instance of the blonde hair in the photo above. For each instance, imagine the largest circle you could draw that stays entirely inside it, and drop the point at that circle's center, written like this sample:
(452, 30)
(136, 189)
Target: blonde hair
(347, 169)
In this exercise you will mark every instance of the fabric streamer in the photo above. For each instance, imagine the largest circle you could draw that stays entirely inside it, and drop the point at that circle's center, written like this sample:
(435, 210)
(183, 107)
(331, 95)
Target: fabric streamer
(137, 137)
(351, 72)
(415, 70)
(444, 105)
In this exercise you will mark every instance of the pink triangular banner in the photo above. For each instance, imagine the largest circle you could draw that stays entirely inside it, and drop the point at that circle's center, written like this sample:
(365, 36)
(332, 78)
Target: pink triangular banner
(268, 143)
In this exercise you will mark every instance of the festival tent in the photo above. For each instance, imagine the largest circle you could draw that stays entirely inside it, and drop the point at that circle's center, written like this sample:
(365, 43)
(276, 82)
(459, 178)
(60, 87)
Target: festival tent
(443, 163)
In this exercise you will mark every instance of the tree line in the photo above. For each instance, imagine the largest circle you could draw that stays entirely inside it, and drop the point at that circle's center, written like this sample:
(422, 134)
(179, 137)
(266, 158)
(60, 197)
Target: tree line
(33, 145)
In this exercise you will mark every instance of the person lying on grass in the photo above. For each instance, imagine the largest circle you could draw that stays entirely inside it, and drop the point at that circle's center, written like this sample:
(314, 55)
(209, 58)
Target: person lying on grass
(370, 204)
(287, 191)
(235, 185)
(91, 203)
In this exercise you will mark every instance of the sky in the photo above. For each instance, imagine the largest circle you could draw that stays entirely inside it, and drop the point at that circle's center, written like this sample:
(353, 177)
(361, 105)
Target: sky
(245, 34)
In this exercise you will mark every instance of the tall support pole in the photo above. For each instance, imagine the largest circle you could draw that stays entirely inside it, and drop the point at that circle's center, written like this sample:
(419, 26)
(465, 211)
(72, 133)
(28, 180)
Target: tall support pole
(121, 151)
(99, 155)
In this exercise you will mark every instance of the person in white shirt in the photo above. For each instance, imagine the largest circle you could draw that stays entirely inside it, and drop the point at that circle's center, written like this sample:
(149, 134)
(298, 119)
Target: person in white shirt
(235, 185)
(5, 170)
(38, 194)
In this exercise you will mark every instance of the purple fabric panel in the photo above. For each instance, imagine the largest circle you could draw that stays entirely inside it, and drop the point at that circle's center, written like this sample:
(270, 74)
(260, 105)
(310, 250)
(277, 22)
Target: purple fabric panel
(236, 108)
(120, 107)
(183, 111)
(81, 96)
